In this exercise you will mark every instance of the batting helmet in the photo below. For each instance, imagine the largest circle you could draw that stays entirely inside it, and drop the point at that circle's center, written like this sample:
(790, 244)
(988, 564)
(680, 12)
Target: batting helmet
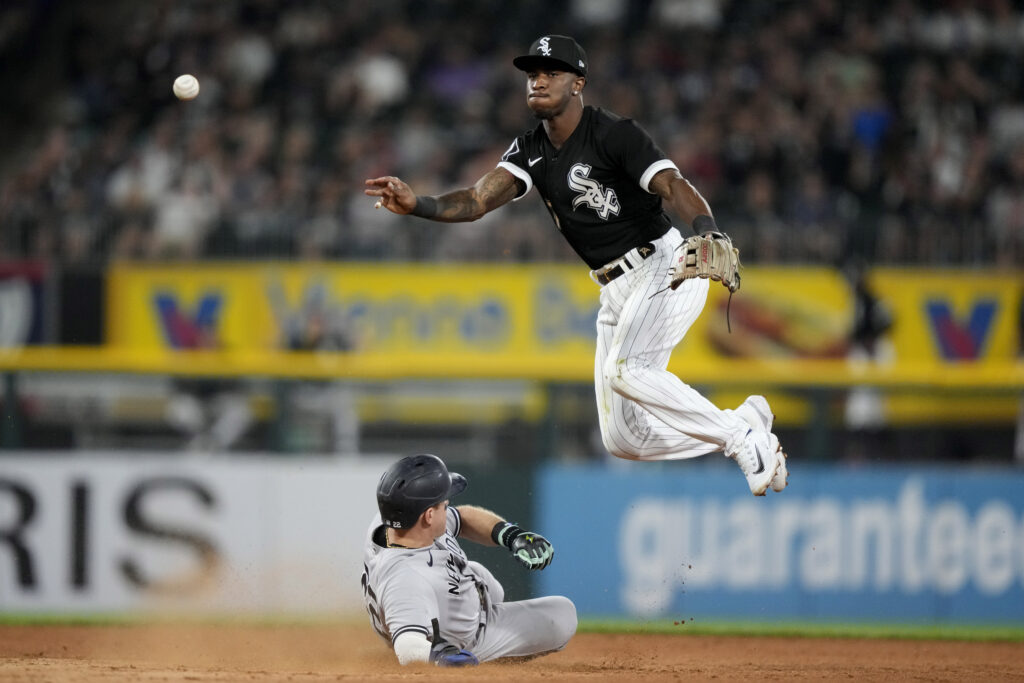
(413, 484)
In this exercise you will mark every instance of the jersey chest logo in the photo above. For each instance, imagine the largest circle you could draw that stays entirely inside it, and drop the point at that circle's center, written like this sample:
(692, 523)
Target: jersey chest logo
(591, 193)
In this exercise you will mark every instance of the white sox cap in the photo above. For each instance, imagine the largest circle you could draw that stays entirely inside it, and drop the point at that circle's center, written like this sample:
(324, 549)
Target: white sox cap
(562, 51)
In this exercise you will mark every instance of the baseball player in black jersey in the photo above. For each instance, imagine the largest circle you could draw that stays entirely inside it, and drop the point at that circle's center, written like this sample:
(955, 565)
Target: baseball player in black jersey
(606, 184)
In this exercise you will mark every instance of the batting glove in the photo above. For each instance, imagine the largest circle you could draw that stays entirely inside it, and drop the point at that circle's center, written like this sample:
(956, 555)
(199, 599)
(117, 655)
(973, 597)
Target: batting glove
(446, 654)
(532, 550)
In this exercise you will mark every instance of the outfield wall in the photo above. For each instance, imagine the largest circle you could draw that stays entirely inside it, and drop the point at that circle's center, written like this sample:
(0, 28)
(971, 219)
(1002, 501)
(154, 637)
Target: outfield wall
(92, 533)
(878, 543)
(133, 533)
(96, 533)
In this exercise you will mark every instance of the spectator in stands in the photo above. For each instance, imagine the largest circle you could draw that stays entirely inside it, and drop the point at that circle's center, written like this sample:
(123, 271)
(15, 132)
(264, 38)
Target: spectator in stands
(901, 116)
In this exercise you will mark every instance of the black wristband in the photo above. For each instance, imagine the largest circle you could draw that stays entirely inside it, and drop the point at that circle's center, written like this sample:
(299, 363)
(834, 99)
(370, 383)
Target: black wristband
(504, 533)
(704, 223)
(426, 207)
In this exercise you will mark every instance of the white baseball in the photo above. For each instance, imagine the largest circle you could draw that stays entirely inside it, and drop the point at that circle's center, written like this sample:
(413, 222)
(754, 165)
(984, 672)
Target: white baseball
(186, 87)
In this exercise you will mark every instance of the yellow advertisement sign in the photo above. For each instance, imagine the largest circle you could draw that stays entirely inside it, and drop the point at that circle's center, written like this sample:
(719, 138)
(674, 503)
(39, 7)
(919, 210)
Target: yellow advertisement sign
(777, 313)
(187, 307)
(393, 307)
(515, 312)
(952, 315)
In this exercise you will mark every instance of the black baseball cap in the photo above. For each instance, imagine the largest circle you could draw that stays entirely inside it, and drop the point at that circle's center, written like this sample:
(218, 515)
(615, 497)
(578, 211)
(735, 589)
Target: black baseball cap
(562, 51)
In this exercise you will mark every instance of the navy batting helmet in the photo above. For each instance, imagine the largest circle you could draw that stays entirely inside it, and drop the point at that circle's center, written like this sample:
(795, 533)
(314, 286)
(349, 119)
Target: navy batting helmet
(413, 484)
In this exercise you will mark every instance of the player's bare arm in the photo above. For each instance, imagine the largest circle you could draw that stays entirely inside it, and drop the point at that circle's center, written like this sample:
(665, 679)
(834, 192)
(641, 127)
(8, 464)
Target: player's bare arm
(685, 200)
(486, 528)
(477, 524)
(496, 188)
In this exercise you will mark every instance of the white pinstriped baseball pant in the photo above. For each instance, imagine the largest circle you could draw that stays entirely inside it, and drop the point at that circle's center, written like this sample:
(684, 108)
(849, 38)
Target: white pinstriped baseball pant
(645, 411)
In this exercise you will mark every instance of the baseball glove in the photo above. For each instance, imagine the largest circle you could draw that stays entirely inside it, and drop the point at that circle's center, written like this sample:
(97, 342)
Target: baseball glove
(709, 255)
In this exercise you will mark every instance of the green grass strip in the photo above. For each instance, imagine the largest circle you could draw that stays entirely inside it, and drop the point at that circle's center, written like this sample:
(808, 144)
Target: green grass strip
(804, 629)
(787, 629)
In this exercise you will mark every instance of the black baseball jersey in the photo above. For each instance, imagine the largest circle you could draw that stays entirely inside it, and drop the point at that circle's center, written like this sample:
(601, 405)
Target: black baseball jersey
(596, 185)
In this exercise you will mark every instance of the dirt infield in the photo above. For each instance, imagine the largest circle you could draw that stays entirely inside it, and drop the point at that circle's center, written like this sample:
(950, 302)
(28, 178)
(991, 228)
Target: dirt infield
(306, 653)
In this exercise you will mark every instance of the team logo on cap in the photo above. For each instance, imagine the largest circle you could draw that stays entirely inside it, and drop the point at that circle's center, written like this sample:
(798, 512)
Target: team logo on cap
(545, 48)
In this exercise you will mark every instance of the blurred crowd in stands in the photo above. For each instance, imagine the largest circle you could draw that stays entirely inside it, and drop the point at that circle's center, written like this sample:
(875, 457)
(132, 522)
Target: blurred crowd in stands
(817, 129)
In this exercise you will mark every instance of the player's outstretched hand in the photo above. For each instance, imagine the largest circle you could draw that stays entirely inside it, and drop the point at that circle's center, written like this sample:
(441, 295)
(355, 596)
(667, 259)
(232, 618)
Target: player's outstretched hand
(446, 654)
(394, 195)
(533, 550)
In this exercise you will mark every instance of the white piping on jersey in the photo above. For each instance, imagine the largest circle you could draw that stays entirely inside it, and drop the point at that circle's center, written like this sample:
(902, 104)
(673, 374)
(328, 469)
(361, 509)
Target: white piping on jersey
(652, 170)
(458, 520)
(518, 173)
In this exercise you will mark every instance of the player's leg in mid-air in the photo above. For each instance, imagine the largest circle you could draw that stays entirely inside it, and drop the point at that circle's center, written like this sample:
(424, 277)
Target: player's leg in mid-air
(646, 412)
(628, 429)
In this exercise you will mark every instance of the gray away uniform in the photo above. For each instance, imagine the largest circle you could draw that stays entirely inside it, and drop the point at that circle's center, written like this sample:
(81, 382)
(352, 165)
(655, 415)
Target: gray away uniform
(405, 589)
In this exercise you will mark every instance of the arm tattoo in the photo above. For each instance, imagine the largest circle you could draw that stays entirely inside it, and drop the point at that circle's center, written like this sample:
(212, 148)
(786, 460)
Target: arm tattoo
(496, 188)
(458, 206)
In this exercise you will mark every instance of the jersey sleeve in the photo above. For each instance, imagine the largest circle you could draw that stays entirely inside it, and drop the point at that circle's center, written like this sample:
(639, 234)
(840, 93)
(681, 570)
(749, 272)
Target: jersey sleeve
(453, 524)
(408, 604)
(514, 161)
(632, 148)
